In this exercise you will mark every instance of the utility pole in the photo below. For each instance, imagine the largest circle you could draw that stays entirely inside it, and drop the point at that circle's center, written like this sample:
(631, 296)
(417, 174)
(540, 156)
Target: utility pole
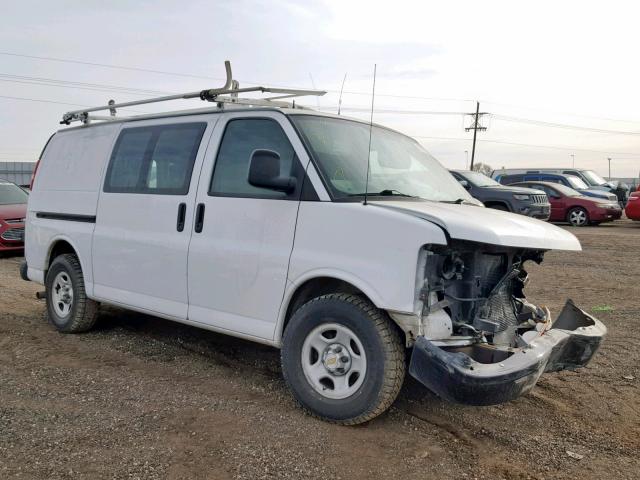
(475, 126)
(609, 158)
(573, 160)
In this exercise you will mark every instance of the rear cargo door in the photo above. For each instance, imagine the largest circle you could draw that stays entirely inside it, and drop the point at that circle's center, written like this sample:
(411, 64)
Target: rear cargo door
(145, 214)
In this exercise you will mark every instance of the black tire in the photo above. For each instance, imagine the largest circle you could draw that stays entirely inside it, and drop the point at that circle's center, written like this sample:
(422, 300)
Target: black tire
(498, 206)
(578, 217)
(82, 312)
(383, 348)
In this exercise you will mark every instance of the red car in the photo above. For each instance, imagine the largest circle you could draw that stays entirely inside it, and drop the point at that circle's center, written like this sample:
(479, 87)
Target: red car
(633, 206)
(568, 205)
(13, 210)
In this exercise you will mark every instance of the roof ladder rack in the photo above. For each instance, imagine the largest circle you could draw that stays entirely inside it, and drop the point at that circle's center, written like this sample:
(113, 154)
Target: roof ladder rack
(228, 93)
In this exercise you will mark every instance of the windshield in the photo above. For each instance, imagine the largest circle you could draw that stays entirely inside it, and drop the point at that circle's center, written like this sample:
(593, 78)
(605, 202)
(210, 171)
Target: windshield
(478, 179)
(566, 191)
(11, 194)
(577, 183)
(593, 178)
(399, 165)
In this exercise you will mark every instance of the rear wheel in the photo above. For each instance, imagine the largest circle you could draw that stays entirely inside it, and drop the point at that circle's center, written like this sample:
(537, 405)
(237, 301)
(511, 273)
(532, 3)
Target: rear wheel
(343, 359)
(68, 308)
(578, 217)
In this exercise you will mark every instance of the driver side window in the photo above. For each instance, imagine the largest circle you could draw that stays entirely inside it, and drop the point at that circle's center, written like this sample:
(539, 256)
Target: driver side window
(241, 137)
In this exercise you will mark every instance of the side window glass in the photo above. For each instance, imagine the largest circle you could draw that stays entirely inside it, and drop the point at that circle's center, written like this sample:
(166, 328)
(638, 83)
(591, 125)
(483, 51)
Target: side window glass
(241, 137)
(127, 160)
(171, 162)
(156, 160)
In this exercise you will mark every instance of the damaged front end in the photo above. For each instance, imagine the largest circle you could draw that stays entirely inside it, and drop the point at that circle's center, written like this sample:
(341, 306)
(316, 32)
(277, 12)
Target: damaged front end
(480, 342)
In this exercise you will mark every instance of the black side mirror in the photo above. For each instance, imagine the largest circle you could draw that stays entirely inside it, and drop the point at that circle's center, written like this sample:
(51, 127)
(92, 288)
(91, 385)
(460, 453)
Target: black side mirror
(264, 172)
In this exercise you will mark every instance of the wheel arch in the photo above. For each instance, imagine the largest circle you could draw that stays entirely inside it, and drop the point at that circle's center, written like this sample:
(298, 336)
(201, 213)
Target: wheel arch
(316, 284)
(502, 203)
(59, 246)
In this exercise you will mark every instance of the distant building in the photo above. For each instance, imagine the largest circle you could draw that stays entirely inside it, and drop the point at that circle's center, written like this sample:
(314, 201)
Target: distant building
(17, 172)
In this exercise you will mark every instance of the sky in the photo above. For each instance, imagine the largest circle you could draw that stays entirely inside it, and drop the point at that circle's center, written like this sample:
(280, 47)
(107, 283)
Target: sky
(556, 78)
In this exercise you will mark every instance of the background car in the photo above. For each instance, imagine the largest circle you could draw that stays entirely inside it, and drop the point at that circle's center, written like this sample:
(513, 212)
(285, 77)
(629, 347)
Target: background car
(568, 205)
(632, 209)
(591, 178)
(570, 181)
(13, 210)
(525, 201)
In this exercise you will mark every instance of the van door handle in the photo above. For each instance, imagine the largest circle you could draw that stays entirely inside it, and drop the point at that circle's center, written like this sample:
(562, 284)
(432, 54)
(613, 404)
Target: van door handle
(182, 213)
(199, 217)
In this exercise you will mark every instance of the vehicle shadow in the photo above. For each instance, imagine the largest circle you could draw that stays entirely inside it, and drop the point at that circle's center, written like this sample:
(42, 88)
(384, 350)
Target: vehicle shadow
(170, 340)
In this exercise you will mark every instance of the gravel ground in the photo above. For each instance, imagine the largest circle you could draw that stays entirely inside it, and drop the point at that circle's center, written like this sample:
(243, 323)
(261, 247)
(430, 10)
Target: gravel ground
(141, 397)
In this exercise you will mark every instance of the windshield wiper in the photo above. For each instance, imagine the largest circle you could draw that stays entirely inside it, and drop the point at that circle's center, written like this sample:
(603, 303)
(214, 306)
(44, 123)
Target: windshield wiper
(459, 201)
(384, 193)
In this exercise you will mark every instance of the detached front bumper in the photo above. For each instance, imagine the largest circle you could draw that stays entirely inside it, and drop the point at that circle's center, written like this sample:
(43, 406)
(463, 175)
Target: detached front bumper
(477, 375)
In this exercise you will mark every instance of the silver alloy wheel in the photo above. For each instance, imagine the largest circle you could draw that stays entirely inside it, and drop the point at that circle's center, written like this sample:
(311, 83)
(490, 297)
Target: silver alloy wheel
(62, 294)
(334, 361)
(578, 217)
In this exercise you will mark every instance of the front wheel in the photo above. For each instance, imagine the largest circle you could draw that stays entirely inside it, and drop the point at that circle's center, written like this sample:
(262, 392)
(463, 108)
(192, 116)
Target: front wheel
(343, 359)
(578, 217)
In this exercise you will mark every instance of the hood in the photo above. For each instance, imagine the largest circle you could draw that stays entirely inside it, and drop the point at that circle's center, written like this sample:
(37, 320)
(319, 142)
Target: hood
(18, 210)
(521, 190)
(595, 193)
(485, 225)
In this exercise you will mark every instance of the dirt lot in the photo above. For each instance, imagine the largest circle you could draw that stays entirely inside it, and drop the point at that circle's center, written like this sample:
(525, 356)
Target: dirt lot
(144, 398)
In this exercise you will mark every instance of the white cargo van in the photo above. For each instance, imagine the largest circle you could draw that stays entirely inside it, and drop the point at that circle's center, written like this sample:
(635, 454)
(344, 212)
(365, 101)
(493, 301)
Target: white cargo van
(253, 221)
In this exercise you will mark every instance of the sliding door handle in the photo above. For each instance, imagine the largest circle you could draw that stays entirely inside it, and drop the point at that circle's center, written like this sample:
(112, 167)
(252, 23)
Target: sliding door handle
(182, 213)
(199, 217)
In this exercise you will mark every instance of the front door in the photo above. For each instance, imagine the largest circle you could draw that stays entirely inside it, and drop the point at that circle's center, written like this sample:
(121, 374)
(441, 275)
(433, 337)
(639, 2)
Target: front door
(145, 212)
(243, 235)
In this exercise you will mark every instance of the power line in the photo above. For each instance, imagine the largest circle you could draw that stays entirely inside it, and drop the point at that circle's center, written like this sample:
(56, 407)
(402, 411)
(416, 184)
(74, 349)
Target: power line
(392, 111)
(10, 77)
(79, 86)
(22, 79)
(205, 77)
(592, 117)
(8, 97)
(504, 142)
(543, 123)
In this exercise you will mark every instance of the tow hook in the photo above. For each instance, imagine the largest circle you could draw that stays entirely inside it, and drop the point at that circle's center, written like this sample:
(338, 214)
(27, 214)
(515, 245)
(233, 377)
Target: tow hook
(41, 295)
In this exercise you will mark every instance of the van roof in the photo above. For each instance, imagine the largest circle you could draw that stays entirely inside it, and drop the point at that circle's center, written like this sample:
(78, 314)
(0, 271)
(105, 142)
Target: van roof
(219, 110)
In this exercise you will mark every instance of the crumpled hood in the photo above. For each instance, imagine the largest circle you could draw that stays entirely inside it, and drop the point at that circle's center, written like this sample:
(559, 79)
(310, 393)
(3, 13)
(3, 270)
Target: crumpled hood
(485, 225)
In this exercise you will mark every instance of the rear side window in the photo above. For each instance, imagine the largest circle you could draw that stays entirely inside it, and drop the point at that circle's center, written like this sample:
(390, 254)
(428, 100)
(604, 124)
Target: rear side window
(157, 160)
(507, 179)
(241, 137)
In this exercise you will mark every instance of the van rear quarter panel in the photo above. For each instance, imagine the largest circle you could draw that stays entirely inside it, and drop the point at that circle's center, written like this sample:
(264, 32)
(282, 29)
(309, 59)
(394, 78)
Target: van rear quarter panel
(68, 181)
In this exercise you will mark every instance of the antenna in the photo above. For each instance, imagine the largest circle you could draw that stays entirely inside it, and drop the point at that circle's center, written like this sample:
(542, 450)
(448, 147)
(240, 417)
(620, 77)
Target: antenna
(313, 84)
(373, 97)
(341, 89)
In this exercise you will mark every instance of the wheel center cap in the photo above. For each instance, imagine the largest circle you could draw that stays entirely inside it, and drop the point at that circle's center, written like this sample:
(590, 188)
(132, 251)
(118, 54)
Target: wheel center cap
(336, 359)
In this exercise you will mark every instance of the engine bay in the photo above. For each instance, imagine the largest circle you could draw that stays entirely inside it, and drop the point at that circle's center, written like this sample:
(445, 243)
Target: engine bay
(475, 292)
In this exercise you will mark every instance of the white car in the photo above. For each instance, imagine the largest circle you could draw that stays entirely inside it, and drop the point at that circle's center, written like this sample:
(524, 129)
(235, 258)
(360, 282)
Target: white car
(253, 222)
